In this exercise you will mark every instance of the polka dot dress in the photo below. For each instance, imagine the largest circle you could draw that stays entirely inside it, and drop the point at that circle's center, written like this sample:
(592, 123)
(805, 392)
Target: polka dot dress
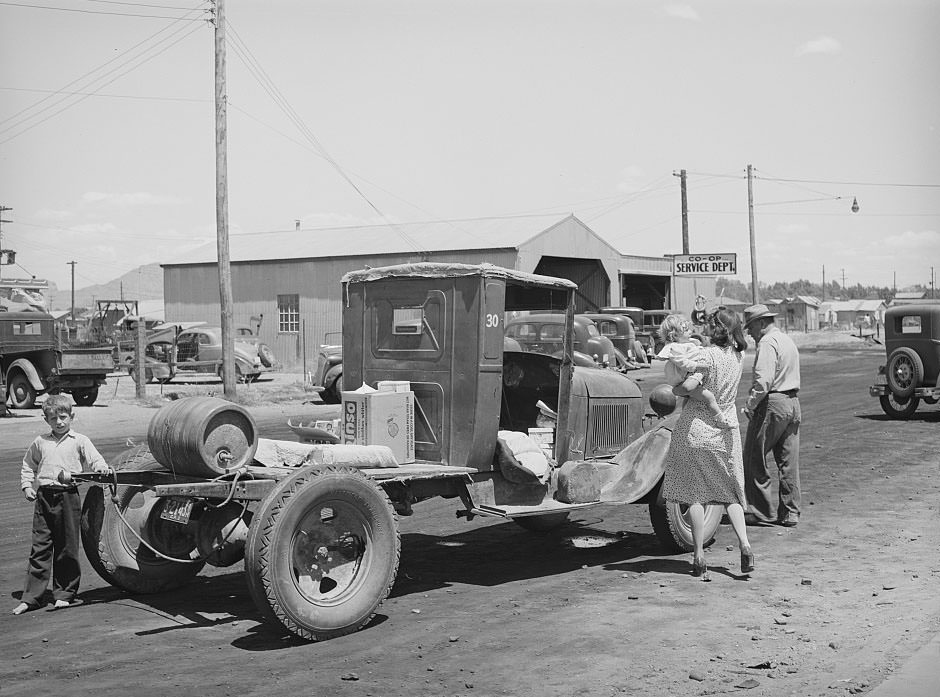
(704, 463)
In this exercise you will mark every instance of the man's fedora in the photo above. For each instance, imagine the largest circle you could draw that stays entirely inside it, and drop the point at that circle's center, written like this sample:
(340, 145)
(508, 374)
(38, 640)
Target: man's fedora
(758, 311)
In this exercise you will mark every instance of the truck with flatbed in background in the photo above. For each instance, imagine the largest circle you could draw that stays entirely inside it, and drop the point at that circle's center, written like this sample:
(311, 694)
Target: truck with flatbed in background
(34, 361)
(316, 523)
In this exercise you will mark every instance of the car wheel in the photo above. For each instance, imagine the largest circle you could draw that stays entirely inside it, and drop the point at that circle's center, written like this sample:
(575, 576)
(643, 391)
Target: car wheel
(905, 371)
(898, 408)
(85, 397)
(22, 393)
(266, 355)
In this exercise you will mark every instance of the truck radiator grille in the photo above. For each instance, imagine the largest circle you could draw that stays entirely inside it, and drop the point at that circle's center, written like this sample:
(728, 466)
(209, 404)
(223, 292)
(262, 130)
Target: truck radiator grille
(608, 428)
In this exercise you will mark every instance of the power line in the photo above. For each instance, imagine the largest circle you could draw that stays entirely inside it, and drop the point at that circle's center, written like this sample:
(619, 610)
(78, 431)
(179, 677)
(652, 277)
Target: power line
(850, 183)
(106, 95)
(91, 12)
(242, 51)
(78, 101)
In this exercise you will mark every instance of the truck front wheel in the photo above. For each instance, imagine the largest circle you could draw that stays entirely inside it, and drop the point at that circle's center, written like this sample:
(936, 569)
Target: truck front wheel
(22, 393)
(85, 397)
(323, 552)
(112, 531)
(673, 527)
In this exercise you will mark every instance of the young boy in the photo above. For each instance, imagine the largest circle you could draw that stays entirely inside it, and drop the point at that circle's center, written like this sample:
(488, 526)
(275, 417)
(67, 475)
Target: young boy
(681, 354)
(46, 478)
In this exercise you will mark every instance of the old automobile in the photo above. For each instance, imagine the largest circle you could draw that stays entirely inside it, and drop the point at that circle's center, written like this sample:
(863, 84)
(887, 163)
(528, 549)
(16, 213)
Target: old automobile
(621, 330)
(194, 347)
(545, 333)
(912, 371)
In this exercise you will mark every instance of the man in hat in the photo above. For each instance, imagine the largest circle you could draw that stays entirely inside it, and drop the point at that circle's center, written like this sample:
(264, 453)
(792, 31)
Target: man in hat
(773, 410)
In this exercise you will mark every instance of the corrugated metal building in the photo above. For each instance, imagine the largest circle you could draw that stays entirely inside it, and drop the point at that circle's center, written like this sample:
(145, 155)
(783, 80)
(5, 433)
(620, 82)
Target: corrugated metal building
(292, 278)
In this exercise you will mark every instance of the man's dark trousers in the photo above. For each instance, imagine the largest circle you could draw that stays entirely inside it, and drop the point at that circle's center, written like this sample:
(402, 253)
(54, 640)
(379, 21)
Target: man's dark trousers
(774, 428)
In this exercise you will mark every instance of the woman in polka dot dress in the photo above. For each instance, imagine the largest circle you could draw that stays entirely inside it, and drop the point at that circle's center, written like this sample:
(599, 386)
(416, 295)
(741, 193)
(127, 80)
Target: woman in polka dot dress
(705, 464)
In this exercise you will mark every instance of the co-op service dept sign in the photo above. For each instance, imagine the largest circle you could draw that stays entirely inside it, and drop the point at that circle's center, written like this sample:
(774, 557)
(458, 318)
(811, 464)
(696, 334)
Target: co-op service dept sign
(705, 264)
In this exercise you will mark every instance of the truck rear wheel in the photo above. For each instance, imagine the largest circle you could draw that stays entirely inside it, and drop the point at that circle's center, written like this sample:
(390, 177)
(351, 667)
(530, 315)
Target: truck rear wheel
(323, 552)
(111, 532)
(674, 529)
(22, 393)
(85, 397)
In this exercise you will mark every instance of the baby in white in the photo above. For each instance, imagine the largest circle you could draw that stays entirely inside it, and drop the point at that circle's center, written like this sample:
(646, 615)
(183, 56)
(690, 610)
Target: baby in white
(682, 354)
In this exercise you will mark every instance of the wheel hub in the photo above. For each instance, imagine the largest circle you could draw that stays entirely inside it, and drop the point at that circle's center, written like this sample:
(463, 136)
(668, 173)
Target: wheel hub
(329, 552)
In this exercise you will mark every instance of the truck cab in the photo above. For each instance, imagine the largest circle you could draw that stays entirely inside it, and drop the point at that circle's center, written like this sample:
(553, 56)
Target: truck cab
(440, 327)
(33, 362)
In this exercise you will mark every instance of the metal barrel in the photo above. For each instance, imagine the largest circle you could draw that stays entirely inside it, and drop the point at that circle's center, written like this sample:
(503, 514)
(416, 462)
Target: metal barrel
(203, 437)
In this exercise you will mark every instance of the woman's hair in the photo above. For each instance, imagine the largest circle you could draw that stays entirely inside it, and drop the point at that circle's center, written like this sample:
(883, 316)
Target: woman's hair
(724, 327)
(673, 326)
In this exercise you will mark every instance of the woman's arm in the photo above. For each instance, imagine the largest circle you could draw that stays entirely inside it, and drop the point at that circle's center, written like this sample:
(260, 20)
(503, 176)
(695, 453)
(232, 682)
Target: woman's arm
(691, 383)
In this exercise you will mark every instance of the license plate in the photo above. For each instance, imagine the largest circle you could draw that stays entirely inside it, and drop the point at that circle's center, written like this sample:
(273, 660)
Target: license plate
(177, 510)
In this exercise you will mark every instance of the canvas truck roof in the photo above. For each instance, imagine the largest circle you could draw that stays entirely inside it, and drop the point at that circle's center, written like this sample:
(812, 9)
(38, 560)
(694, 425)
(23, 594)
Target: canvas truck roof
(444, 270)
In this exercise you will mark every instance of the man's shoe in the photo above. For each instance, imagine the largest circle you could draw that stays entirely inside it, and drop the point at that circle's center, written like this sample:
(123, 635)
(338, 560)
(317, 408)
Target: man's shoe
(789, 521)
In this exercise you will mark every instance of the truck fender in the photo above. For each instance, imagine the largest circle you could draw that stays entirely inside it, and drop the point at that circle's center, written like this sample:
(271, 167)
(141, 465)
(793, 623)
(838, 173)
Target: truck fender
(636, 469)
(29, 370)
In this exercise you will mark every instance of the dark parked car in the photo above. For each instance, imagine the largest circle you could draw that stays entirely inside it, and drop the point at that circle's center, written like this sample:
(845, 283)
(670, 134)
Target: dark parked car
(621, 330)
(912, 371)
(545, 332)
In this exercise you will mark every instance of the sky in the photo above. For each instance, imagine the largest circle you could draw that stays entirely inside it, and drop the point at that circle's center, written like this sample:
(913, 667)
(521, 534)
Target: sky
(354, 112)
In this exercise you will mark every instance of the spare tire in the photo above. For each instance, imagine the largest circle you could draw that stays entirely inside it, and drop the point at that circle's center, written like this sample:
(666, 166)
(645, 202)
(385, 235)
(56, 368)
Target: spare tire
(266, 355)
(905, 371)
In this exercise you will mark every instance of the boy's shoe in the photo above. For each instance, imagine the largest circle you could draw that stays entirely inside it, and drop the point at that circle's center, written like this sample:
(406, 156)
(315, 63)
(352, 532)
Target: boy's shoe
(21, 608)
(789, 521)
(62, 604)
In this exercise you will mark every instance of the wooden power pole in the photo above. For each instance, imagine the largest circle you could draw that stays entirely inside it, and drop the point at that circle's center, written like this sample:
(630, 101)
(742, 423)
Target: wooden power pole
(755, 294)
(685, 211)
(221, 207)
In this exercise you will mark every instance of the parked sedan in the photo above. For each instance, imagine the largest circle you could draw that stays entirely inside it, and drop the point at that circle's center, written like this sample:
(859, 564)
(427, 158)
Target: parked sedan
(199, 349)
(544, 333)
(194, 347)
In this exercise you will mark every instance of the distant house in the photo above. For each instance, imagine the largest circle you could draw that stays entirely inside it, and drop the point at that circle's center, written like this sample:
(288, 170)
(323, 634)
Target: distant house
(849, 314)
(799, 313)
(910, 297)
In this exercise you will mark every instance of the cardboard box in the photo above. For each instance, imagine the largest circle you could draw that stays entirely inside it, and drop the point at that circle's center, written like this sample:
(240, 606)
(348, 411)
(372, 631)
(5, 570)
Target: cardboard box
(542, 436)
(393, 386)
(381, 418)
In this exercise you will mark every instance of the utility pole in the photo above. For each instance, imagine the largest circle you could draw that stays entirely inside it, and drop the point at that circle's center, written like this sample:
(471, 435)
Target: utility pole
(221, 207)
(755, 294)
(933, 284)
(72, 264)
(3, 209)
(843, 282)
(824, 283)
(685, 210)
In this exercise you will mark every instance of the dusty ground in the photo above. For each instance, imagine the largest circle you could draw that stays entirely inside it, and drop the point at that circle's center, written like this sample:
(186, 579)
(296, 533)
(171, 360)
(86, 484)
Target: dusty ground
(485, 608)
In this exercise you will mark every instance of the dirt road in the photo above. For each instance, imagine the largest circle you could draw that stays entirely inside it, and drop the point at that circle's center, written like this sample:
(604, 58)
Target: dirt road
(486, 608)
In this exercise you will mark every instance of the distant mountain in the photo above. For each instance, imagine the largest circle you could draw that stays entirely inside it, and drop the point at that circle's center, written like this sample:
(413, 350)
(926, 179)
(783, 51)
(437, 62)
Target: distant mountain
(143, 283)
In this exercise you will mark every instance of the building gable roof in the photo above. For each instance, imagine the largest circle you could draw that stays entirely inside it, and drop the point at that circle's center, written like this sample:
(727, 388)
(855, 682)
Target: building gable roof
(372, 240)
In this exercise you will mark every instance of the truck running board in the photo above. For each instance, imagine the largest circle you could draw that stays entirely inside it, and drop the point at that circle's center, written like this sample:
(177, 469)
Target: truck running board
(550, 506)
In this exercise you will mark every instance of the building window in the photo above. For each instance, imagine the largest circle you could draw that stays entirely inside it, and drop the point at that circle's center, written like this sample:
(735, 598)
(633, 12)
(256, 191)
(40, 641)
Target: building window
(288, 314)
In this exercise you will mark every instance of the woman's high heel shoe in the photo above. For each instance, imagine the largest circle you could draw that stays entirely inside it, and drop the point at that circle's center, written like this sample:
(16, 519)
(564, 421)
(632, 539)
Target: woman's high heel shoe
(700, 569)
(747, 561)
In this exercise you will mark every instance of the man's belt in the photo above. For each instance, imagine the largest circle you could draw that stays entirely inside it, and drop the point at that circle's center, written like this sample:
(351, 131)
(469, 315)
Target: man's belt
(788, 393)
